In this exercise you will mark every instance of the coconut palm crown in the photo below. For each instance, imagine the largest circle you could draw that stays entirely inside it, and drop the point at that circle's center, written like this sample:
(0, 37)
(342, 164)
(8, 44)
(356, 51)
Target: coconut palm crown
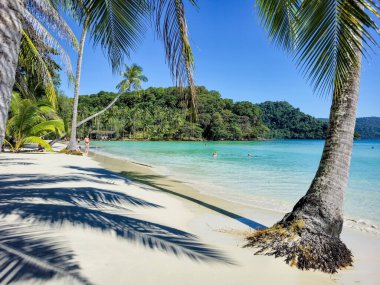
(132, 78)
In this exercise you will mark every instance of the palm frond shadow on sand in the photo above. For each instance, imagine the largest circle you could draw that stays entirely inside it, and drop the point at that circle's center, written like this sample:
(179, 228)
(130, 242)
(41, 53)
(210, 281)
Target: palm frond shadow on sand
(25, 255)
(150, 181)
(43, 258)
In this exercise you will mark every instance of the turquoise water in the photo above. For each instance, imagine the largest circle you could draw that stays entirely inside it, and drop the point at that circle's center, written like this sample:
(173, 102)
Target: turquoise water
(277, 175)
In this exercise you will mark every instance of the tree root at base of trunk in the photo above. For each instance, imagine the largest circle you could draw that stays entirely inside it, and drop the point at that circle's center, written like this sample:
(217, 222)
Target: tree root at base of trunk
(301, 247)
(71, 152)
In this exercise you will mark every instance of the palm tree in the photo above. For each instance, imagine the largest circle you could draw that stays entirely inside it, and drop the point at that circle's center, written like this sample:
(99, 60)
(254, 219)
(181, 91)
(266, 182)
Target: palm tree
(16, 17)
(170, 24)
(327, 38)
(116, 25)
(132, 78)
(29, 121)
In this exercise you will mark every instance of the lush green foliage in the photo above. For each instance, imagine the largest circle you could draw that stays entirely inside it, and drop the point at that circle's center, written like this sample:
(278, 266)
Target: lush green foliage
(29, 121)
(158, 113)
(285, 121)
(323, 36)
(368, 127)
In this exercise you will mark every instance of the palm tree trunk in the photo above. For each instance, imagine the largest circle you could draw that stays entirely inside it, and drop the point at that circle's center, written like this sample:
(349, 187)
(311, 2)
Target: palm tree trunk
(73, 145)
(311, 237)
(322, 206)
(100, 112)
(10, 40)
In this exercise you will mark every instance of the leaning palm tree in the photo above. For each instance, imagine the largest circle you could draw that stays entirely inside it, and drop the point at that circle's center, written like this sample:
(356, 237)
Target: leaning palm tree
(327, 38)
(169, 22)
(117, 25)
(132, 79)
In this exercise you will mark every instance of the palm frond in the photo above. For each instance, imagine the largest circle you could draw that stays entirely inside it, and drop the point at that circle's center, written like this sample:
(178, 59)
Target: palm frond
(324, 36)
(170, 23)
(49, 40)
(28, 120)
(330, 33)
(47, 13)
(21, 83)
(36, 140)
(117, 25)
(48, 110)
(279, 17)
(51, 125)
(30, 59)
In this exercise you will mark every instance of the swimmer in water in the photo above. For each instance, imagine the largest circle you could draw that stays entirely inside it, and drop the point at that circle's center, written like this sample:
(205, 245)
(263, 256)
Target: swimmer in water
(250, 155)
(214, 154)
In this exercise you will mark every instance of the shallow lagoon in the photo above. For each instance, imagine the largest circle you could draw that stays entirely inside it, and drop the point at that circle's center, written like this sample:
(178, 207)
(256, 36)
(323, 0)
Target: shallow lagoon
(265, 174)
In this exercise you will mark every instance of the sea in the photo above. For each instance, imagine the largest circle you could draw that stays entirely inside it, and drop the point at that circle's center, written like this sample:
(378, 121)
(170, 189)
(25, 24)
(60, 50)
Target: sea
(271, 174)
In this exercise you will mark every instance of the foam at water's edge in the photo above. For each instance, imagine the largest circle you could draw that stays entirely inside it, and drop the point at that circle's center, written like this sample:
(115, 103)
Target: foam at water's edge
(362, 225)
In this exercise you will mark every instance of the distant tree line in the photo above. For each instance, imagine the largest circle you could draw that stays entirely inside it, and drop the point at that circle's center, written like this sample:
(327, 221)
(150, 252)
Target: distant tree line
(160, 114)
(368, 127)
(287, 122)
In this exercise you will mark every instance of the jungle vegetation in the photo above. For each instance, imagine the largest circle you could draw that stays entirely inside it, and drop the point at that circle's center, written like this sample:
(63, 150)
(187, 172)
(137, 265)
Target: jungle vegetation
(160, 114)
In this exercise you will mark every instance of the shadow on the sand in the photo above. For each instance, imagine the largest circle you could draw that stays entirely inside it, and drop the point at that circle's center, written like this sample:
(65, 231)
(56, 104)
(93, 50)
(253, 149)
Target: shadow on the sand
(99, 173)
(14, 161)
(151, 180)
(25, 255)
(35, 180)
(41, 258)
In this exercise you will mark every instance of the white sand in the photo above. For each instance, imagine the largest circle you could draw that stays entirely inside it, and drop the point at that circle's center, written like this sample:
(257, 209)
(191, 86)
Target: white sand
(113, 256)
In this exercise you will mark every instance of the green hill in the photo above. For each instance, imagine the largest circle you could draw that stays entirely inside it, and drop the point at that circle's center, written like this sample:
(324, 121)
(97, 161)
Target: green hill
(368, 127)
(159, 114)
(287, 122)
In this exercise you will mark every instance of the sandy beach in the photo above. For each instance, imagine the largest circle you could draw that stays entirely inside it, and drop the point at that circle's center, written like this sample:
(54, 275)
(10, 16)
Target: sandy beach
(98, 220)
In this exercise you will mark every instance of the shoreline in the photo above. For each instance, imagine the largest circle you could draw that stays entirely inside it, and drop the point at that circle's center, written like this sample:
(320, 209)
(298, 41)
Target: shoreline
(363, 244)
(121, 230)
(184, 189)
(146, 175)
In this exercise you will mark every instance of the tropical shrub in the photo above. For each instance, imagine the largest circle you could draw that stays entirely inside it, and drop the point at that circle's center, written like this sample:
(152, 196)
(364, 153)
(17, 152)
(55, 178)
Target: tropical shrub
(29, 121)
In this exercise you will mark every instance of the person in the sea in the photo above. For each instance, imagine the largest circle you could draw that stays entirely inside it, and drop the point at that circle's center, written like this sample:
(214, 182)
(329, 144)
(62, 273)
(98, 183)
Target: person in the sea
(214, 154)
(250, 155)
(86, 145)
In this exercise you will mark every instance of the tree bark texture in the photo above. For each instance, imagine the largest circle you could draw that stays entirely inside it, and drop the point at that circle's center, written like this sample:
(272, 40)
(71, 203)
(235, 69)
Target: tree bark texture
(322, 206)
(308, 237)
(73, 145)
(100, 112)
(10, 40)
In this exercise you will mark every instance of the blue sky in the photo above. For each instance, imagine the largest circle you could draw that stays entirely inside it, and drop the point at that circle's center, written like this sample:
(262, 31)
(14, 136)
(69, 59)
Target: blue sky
(232, 56)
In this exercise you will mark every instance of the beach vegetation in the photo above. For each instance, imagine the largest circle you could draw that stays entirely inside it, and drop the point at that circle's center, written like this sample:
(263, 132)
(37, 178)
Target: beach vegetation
(327, 39)
(132, 79)
(159, 114)
(119, 29)
(29, 122)
(116, 25)
(25, 26)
